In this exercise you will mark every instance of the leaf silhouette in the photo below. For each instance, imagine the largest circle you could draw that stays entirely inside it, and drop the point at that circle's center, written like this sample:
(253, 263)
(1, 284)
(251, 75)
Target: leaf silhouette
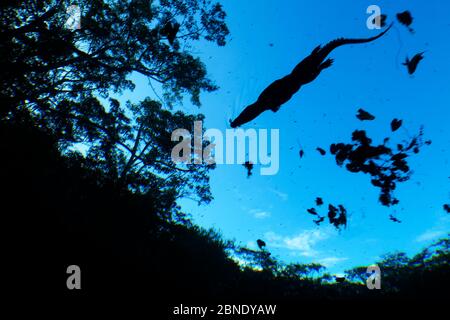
(364, 115)
(406, 19)
(396, 124)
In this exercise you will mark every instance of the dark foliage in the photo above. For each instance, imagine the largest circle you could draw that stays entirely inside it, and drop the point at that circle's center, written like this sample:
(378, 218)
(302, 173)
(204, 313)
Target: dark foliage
(46, 60)
(406, 19)
(53, 76)
(410, 277)
(113, 209)
(339, 279)
(170, 30)
(386, 166)
(125, 244)
(67, 212)
(336, 216)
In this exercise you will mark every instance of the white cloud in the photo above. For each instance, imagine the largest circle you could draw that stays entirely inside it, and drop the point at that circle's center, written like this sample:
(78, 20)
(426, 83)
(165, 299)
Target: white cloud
(283, 196)
(252, 245)
(330, 261)
(440, 229)
(302, 243)
(260, 214)
(430, 235)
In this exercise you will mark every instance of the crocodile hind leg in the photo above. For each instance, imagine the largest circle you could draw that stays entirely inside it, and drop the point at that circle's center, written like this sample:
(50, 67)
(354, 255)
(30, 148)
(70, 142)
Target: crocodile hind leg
(326, 64)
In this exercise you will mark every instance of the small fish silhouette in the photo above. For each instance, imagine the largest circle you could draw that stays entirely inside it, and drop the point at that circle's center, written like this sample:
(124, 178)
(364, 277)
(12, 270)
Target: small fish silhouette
(391, 217)
(301, 153)
(321, 151)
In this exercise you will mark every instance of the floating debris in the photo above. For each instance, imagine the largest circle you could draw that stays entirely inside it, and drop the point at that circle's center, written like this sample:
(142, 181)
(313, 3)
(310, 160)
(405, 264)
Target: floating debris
(249, 166)
(392, 218)
(321, 151)
(261, 244)
(319, 201)
(337, 216)
(380, 20)
(406, 19)
(319, 221)
(412, 64)
(396, 124)
(301, 153)
(447, 208)
(385, 166)
(364, 115)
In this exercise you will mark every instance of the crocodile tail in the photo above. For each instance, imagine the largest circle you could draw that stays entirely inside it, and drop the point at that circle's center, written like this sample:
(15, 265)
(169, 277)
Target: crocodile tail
(330, 46)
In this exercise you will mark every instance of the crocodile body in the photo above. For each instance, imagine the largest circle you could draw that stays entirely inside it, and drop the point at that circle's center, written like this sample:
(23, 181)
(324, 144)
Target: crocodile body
(282, 90)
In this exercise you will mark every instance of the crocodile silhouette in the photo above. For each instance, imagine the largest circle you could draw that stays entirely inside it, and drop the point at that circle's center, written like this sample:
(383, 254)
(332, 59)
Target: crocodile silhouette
(282, 90)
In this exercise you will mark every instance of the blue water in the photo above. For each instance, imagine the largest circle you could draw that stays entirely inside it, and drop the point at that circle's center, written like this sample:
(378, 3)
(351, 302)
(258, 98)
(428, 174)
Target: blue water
(268, 38)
